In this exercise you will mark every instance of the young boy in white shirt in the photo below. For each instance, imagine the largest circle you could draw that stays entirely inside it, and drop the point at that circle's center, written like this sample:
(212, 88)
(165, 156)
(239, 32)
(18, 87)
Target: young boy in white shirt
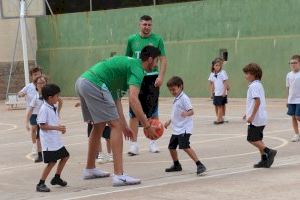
(50, 135)
(182, 125)
(256, 115)
(29, 91)
(293, 93)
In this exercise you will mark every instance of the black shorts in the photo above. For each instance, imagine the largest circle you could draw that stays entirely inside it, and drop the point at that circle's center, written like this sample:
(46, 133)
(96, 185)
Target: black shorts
(105, 134)
(182, 140)
(54, 156)
(220, 100)
(255, 133)
(148, 97)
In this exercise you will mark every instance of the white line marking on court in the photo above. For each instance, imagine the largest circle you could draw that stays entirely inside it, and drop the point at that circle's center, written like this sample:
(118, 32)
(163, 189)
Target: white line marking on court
(13, 127)
(175, 182)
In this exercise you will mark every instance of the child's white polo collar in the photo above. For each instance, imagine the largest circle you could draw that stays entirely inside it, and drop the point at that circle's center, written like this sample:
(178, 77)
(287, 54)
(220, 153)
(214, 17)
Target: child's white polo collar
(178, 97)
(253, 82)
(50, 106)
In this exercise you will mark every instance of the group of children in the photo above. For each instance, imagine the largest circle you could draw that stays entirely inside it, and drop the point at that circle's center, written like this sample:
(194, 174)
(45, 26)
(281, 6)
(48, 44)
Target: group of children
(43, 115)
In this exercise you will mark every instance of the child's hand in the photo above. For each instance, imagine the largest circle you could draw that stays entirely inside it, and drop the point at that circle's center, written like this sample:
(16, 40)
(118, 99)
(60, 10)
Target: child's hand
(77, 104)
(167, 124)
(62, 129)
(27, 127)
(244, 117)
(250, 120)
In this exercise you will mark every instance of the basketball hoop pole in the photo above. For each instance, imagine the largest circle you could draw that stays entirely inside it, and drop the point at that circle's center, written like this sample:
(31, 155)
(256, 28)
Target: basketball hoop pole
(24, 40)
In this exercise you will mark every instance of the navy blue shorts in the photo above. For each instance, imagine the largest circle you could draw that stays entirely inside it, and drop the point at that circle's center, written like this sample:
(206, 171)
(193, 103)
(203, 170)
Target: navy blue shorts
(105, 134)
(182, 140)
(220, 100)
(294, 110)
(148, 97)
(32, 120)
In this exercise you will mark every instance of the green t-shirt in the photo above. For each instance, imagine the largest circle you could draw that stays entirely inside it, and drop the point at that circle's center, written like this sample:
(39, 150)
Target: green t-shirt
(136, 43)
(116, 74)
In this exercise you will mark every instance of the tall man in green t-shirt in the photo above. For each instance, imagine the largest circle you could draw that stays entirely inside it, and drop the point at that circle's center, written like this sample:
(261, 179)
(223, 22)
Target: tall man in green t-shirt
(149, 92)
(100, 90)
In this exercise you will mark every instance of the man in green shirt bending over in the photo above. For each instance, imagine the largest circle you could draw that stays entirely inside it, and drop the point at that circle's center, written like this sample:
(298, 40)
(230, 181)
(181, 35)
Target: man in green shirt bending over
(149, 91)
(100, 90)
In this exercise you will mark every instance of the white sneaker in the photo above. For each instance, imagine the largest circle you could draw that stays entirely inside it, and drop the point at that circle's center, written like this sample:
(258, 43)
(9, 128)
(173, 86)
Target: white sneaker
(134, 149)
(109, 157)
(295, 138)
(153, 148)
(123, 180)
(94, 173)
(101, 158)
(34, 150)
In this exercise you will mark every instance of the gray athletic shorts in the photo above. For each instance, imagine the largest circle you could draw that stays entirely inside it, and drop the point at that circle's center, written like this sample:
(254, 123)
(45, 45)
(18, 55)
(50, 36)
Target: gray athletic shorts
(97, 104)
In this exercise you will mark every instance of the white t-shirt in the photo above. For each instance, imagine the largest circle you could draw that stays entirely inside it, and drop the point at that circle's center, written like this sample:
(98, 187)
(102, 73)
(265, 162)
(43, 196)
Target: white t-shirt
(181, 125)
(256, 90)
(50, 139)
(293, 83)
(36, 103)
(30, 92)
(218, 81)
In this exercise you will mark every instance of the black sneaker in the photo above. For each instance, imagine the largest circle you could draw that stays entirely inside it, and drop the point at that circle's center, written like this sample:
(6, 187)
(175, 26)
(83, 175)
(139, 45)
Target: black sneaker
(200, 169)
(174, 168)
(261, 164)
(38, 159)
(58, 181)
(42, 188)
(271, 156)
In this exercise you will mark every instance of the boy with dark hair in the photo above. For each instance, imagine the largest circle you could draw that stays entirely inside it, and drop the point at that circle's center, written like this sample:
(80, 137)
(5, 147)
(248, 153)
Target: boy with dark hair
(182, 125)
(50, 136)
(256, 115)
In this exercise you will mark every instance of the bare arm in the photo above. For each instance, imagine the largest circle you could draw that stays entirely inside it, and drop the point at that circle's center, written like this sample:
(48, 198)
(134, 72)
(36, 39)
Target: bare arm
(60, 103)
(187, 113)
(162, 71)
(47, 127)
(226, 86)
(211, 88)
(121, 114)
(255, 109)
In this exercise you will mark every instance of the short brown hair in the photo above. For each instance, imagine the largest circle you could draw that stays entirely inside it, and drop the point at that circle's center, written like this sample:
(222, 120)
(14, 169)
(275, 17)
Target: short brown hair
(34, 70)
(296, 57)
(215, 61)
(253, 69)
(175, 81)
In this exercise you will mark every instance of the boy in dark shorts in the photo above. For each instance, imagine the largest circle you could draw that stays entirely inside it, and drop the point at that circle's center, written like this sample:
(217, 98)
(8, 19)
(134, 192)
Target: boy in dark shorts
(256, 115)
(182, 125)
(50, 135)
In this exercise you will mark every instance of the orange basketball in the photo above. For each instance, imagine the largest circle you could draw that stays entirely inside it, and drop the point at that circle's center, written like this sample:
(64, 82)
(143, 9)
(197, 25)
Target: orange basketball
(155, 123)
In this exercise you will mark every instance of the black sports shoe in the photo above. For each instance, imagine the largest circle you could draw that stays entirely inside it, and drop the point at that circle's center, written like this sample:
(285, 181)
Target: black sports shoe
(271, 155)
(200, 169)
(261, 164)
(174, 168)
(58, 181)
(42, 188)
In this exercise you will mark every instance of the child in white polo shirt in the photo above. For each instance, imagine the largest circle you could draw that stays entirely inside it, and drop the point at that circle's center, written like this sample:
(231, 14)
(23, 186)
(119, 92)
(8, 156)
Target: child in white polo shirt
(29, 91)
(182, 125)
(293, 91)
(256, 115)
(218, 80)
(50, 135)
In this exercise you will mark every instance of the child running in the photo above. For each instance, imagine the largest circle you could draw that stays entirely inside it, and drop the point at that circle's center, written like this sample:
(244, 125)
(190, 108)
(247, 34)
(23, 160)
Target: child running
(256, 115)
(50, 134)
(182, 125)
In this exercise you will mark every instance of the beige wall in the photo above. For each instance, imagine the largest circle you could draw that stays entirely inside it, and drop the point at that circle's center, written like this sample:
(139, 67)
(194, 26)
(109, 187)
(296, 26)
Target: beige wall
(8, 31)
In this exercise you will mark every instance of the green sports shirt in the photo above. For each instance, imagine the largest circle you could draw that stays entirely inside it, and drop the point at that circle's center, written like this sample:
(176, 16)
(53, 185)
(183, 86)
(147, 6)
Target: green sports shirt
(136, 43)
(116, 74)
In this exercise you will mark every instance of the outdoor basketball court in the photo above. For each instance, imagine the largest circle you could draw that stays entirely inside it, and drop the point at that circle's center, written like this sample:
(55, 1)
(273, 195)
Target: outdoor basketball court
(223, 149)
